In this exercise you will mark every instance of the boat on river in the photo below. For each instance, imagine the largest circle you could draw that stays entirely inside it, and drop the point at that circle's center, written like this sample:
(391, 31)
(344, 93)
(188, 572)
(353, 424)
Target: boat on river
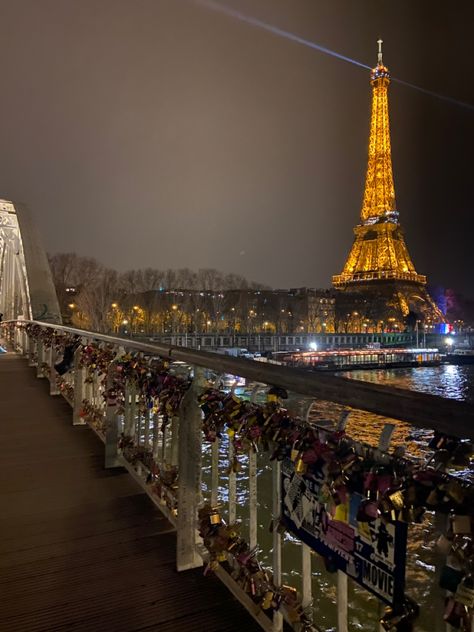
(460, 356)
(348, 359)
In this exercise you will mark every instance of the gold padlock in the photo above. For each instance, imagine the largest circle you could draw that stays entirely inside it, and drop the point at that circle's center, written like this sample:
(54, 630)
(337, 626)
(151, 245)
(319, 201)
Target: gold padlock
(267, 600)
(300, 465)
(465, 592)
(294, 454)
(397, 499)
(214, 517)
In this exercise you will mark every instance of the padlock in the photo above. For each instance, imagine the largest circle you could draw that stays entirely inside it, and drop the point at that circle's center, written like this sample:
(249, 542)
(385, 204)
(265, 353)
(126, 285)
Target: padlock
(214, 517)
(295, 453)
(455, 613)
(276, 434)
(267, 600)
(450, 578)
(438, 441)
(440, 459)
(342, 512)
(443, 545)
(386, 509)
(300, 465)
(396, 498)
(465, 592)
(400, 618)
(455, 491)
(461, 525)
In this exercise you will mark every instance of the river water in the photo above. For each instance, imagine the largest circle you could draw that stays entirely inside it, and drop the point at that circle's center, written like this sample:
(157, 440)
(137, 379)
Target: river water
(455, 382)
(447, 380)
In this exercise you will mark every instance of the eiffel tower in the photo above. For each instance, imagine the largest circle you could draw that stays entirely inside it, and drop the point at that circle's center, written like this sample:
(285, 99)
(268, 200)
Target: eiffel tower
(379, 265)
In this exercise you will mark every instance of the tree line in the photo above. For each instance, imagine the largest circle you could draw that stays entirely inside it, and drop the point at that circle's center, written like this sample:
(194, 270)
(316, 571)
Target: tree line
(86, 288)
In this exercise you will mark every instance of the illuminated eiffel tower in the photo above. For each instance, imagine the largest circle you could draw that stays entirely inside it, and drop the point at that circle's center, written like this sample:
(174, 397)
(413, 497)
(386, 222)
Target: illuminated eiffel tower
(379, 262)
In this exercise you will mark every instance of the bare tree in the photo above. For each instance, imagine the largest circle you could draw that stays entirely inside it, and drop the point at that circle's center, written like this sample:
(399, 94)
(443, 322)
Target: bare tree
(94, 302)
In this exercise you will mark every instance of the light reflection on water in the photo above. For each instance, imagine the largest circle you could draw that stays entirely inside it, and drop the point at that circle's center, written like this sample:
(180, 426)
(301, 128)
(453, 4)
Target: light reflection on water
(454, 382)
(448, 381)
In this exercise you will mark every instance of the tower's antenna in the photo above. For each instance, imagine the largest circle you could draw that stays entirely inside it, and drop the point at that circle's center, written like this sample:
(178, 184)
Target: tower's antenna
(379, 59)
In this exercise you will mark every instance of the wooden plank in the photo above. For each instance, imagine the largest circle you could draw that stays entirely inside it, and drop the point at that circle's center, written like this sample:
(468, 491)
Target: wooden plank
(83, 548)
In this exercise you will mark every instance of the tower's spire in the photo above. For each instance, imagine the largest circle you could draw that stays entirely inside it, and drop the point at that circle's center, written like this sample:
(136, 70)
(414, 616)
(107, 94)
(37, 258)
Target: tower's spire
(379, 194)
(379, 59)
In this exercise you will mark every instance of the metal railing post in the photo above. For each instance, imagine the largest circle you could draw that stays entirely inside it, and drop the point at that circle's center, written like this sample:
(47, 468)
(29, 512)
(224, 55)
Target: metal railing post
(79, 377)
(189, 492)
(53, 386)
(342, 619)
(31, 351)
(276, 556)
(111, 424)
(39, 358)
(16, 339)
(24, 342)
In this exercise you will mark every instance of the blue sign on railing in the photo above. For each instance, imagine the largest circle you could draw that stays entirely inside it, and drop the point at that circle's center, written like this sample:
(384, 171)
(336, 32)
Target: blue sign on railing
(372, 553)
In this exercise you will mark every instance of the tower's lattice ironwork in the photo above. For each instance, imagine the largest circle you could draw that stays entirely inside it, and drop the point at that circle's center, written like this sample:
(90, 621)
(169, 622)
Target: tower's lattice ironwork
(379, 251)
(379, 257)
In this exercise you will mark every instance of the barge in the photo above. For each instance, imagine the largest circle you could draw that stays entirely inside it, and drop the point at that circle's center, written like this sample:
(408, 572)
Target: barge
(349, 359)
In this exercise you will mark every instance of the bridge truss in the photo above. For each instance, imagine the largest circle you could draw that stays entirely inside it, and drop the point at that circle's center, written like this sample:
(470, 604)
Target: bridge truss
(26, 285)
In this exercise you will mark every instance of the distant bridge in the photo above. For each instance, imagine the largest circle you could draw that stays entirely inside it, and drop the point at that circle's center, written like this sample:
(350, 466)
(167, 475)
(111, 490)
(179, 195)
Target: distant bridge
(280, 342)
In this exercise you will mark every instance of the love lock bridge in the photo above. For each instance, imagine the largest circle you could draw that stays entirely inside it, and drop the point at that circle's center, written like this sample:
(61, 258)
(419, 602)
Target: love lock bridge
(313, 518)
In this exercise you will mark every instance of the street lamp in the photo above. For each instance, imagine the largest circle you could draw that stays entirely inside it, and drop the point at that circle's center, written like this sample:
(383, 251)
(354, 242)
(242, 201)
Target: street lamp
(124, 324)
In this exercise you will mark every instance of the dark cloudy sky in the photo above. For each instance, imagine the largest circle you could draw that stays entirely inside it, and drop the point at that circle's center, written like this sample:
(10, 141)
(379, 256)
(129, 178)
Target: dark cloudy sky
(160, 133)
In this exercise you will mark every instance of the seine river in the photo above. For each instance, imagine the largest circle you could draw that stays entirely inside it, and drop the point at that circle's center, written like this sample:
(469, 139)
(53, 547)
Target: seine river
(455, 382)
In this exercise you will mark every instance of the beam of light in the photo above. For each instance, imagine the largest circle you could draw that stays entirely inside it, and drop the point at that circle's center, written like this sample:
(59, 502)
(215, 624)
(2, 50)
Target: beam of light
(213, 5)
(233, 13)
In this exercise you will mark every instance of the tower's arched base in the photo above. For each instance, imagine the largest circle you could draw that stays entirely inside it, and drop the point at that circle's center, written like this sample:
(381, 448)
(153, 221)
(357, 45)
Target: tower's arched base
(384, 305)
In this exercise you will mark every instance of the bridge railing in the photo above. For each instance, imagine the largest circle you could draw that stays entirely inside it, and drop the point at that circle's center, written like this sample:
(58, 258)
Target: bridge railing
(167, 416)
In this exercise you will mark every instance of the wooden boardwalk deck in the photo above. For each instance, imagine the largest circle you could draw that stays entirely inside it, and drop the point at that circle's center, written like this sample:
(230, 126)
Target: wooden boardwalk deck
(83, 548)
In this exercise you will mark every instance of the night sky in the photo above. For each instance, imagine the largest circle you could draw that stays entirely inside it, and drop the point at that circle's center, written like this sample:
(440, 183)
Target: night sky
(162, 133)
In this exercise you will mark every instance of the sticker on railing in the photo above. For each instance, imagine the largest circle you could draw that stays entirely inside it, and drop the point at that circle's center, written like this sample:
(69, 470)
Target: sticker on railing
(369, 550)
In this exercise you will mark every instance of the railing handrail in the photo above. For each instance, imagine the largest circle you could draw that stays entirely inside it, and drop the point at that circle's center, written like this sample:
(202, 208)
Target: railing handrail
(421, 409)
